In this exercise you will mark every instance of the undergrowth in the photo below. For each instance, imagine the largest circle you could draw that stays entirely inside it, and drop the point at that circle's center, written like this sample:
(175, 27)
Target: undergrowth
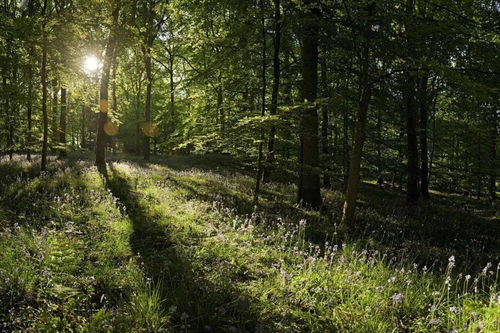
(178, 246)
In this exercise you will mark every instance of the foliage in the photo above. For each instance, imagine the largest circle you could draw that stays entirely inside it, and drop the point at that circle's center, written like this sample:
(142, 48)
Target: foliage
(105, 255)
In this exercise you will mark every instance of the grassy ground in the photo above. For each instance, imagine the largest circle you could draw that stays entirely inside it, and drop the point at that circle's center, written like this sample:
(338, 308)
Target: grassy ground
(177, 245)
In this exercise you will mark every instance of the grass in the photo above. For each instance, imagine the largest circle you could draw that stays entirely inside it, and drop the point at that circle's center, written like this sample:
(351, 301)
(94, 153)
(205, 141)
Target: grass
(177, 246)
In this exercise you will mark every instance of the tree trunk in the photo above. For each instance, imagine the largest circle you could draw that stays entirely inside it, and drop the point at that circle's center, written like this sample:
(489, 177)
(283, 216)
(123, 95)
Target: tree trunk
(102, 137)
(345, 145)
(275, 89)
(263, 104)
(412, 192)
(424, 153)
(8, 112)
(380, 168)
(493, 160)
(220, 108)
(479, 182)
(45, 116)
(137, 122)
(433, 138)
(325, 146)
(29, 110)
(83, 139)
(149, 85)
(309, 179)
(114, 100)
(62, 124)
(172, 92)
(353, 181)
(54, 131)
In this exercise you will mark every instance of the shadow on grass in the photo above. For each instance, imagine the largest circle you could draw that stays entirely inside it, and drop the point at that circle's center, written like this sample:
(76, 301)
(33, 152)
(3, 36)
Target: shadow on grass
(427, 234)
(173, 271)
(431, 231)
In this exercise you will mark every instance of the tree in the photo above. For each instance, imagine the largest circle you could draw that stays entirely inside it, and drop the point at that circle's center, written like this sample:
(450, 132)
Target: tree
(102, 137)
(273, 110)
(62, 123)
(309, 179)
(412, 192)
(263, 101)
(360, 135)
(43, 73)
(151, 20)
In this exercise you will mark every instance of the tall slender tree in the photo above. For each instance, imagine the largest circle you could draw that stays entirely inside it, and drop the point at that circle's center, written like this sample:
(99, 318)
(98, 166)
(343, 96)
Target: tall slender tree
(273, 110)
(62, 123)
(102, 137)
(353, 180)
(43, 73)
(412, 192)
(309, 178)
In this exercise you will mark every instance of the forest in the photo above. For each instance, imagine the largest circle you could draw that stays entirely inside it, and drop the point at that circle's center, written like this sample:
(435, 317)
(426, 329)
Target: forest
(249, 166)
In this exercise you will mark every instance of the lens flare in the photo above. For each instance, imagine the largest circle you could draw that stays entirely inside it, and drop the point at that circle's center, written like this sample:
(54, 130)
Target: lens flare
(110, 128)
(149, 129)
(91, 64)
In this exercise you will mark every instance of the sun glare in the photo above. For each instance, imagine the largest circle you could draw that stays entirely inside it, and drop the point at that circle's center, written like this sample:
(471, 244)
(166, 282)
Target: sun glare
(91, 64)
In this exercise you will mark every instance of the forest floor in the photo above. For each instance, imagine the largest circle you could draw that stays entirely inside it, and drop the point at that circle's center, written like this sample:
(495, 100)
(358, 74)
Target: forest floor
(176, 245)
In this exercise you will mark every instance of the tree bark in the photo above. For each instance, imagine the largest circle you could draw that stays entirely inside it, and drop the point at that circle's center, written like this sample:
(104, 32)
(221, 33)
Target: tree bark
(325, 145)
(138, 121)
(102, 137)
(114, 100)
(220, 107)
(54, 130)
(29, 110)
(424, 151)
(263, 103)
(62, 123)
(172, 91)
(479, 182)
(493, 160)
(149, 85)
(345, 144)
(353, 181)
(309, 178)
(8, 112)
(83, 139)
(275, 89)
(412, 192)
(43, 72)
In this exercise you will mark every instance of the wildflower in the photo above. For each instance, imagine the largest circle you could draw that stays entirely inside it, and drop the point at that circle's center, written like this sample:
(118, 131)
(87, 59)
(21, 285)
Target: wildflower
(184, 316)
(467, 277)
(397, 299)
(435, 321)
(391, 279)
(485, 269)
(172, 309)
(451, 261)
(455, 309)
(432, 308)
(447, 281)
